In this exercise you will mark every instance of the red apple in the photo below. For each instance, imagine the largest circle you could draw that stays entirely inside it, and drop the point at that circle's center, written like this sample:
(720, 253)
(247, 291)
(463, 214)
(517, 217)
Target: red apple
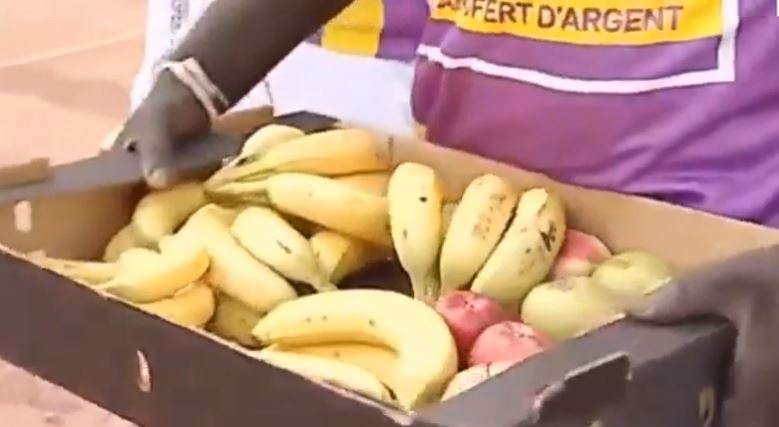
(580, 254)
(508, 342)
(468, 314)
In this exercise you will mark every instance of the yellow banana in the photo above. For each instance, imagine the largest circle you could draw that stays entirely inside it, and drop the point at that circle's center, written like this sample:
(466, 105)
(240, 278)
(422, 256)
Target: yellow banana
(233, 270)
(476, 227)
(427, 357)
(523, 258)
(126, 238)
(330, 371)
(146, 276)
(234, 320)
(192, 306)
(340, 255)
(415, 198)
(85, 272)
(255, 147)
(267, 138)
(380, 361)
(446, 216)
(160, 213)
(374, 183)
(331, 204)
(269, 238)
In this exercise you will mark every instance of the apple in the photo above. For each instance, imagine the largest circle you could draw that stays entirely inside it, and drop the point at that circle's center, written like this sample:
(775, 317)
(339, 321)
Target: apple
(468, 314)
(580, 254)
(473, 376)
(508, 341)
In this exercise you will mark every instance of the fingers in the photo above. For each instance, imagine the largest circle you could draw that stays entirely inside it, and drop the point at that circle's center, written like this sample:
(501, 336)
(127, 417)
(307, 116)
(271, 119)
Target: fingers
(151, 142)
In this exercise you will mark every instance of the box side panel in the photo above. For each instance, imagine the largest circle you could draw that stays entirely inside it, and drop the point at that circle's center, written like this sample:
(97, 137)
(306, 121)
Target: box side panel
(73, 225)
(73, 337)
(676, 379)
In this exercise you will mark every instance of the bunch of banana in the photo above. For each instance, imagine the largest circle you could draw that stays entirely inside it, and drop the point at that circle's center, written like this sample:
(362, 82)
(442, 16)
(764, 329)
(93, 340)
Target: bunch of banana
(400, 340)
(160, 213)
(340, 255)
(234, 320)
(144, 275)
(234, 271)
(528, 248)
(415, 196)
(331, 153)
(327, 370)
(270, 239)
(476, 226)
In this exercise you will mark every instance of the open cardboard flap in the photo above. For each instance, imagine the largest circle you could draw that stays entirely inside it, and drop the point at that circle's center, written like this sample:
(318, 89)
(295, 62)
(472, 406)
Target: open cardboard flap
(67, 215)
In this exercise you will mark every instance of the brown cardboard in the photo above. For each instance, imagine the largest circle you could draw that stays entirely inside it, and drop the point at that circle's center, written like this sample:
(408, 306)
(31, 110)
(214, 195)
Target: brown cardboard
(625, 374)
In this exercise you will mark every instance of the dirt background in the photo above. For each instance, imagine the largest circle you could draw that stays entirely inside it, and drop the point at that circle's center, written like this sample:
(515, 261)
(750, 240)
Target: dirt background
(66, 67)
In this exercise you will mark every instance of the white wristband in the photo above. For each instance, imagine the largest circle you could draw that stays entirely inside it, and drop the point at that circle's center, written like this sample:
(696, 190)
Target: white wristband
(191, 74)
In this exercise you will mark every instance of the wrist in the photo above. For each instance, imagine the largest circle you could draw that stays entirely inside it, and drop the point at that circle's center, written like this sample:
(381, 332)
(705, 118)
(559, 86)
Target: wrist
(187, 117)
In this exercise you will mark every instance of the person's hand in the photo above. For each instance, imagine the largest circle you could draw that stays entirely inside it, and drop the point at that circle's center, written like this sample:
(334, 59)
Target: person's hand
(744, 290)
(169, 115)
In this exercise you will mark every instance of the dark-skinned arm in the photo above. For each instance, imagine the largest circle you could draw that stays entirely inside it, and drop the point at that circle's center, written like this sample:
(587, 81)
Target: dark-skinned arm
(236, 43)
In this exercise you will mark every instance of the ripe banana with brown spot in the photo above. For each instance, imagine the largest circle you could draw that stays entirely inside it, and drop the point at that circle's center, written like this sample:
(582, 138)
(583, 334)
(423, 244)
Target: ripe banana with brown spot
(331, 371)
(415, 198)
(234, 320)
(234, 271)
(145, 276)
(427, 356)
(160, 213)
(527, 250)
(340, 255)
(381, 361)
(191, 306)
(269, 238)
(476, 227)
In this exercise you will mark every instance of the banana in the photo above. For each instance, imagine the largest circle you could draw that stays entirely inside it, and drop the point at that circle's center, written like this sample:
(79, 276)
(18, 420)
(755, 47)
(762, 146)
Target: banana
(255, 147)
(267, 138)
(86, 272)
(192, 306)
(329, 371)
(427, 356)
(476, 226)
(146, 276)
(374, 183)
(233, 270)
(234, 321)
(415, 196)
(340, 255)
(331, 204)
(380, 361)
(160, 213)
(126, 238)
(446, 216)
(269, 238)
(523, 258)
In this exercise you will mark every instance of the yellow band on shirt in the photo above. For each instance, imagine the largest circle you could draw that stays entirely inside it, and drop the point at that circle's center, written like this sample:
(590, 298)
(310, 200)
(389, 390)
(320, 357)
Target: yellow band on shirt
(356, 30)
(588, 22)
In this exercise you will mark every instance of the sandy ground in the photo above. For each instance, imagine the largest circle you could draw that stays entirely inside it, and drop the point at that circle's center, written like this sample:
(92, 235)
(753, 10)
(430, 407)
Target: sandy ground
(66, 67)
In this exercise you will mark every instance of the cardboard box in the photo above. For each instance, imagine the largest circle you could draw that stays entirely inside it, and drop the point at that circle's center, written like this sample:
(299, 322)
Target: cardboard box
(160, 375)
